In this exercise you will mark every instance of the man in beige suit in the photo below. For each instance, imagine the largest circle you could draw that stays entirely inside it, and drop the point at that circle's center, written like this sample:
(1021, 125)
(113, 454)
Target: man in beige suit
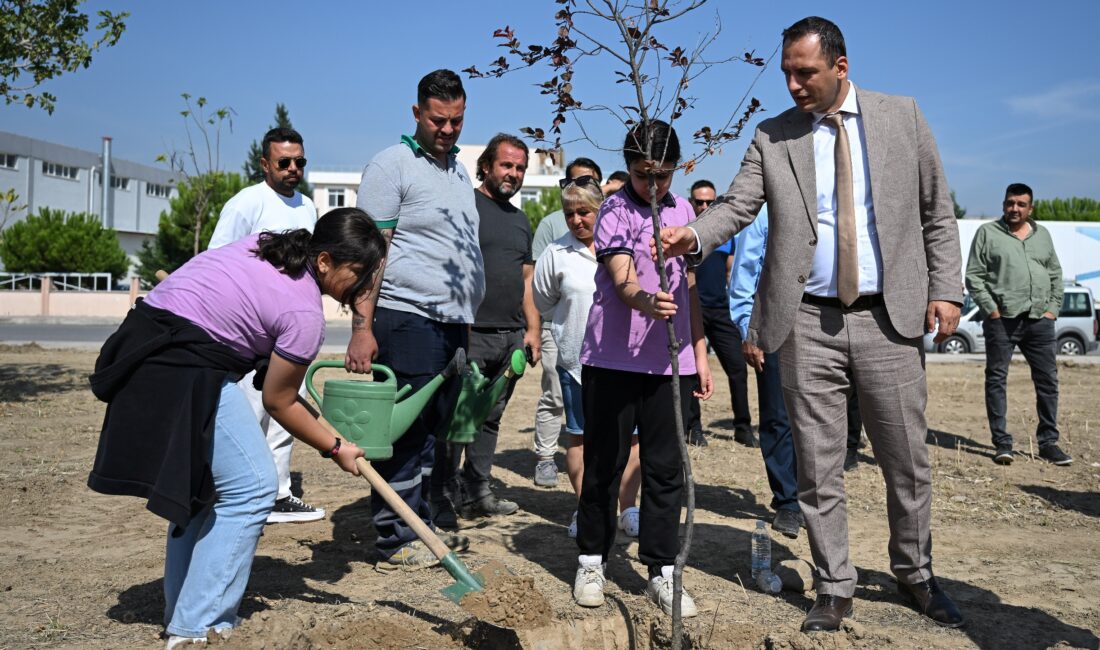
(863, 259)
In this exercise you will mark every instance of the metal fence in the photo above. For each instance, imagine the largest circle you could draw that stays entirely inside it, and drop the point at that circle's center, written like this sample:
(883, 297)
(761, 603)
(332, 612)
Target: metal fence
(58, 281)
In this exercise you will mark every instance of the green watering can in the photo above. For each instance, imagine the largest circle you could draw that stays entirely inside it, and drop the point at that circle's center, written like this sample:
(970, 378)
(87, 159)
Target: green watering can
(478, 397)
(373, 414)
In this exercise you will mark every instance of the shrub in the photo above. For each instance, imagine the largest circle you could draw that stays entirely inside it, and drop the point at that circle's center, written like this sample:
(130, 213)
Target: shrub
(54, 240)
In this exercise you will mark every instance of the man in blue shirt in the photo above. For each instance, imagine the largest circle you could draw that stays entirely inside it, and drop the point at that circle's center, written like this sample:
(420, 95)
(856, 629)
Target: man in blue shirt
(776, 443)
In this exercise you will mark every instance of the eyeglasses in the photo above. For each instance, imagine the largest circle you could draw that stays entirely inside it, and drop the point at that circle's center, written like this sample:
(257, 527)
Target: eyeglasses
(284, 163)
(580, 181)
(702, 202)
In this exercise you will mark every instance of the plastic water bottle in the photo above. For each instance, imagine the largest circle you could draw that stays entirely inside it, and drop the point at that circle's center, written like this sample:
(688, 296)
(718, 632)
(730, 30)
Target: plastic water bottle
(761, 549)
(768, 582)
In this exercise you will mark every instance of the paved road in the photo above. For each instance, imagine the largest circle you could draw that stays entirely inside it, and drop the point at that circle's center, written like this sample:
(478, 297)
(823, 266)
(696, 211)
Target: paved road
(61, 333)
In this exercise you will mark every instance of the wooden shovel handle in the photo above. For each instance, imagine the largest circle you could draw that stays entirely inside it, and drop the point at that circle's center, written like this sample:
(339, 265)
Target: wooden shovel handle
(395, 502)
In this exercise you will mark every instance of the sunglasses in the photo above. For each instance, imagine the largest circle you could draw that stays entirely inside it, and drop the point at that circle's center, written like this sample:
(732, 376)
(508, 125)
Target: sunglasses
(702, 202)
(284, 163)
(580, 181)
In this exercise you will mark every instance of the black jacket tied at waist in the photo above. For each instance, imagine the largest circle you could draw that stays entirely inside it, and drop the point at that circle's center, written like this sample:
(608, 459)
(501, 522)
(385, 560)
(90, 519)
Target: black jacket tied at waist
(161, 377)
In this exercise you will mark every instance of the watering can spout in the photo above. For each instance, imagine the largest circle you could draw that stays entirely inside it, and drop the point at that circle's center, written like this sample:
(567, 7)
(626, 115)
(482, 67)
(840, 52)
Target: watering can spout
(409, 406)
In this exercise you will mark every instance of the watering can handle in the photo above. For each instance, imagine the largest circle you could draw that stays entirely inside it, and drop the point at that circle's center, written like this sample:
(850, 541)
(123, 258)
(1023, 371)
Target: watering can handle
(317, 365)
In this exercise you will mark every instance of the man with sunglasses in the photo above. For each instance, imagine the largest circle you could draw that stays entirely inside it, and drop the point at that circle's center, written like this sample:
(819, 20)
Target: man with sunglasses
(712, 278)
(273, 205)
(550, 408)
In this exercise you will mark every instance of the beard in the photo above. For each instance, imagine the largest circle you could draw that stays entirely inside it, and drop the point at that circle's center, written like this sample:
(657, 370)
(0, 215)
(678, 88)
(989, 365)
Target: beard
(504, 191)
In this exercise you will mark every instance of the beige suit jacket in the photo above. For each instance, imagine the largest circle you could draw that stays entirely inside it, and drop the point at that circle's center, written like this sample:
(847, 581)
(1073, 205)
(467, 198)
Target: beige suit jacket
(914, 215)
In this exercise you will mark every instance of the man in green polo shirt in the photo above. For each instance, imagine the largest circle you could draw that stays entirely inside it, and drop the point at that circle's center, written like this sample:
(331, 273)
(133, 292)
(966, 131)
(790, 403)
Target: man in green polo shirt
(1014, 276)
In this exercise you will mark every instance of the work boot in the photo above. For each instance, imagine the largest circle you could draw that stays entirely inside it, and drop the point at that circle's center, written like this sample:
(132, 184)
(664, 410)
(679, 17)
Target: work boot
(488, 506)
(443, 515)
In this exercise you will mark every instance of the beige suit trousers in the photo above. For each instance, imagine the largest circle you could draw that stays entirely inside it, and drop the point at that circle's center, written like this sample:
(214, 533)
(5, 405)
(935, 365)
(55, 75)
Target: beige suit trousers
(829, 352)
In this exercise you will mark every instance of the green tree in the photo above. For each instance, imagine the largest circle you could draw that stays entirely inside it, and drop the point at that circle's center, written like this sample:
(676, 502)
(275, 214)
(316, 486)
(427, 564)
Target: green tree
(174, 243)
(1071, 209)
(54, 240)
(536, 209)
(960, 211)
(252, 170)
(43, 39)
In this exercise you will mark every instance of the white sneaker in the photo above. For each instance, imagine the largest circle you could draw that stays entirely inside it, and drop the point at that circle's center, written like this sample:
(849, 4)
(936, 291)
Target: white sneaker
(659, 591)
(630, 521)
(180, 641)
(573, 526)
(588, 586)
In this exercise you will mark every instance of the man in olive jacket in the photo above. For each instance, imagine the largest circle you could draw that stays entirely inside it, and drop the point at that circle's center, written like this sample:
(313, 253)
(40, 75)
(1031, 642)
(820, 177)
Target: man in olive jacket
(1014, 276)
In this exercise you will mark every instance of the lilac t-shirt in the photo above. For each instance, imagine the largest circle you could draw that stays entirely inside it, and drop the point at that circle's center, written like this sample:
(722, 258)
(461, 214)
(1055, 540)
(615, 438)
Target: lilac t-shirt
(246, 303)
(618, 337)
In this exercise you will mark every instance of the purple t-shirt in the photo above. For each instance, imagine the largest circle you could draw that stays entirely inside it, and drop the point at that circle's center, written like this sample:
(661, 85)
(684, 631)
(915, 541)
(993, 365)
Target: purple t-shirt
(618, 337)
(246, 303)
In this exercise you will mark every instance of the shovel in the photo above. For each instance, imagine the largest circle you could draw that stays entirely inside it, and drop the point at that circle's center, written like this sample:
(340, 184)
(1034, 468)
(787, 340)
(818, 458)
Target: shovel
(466, 581)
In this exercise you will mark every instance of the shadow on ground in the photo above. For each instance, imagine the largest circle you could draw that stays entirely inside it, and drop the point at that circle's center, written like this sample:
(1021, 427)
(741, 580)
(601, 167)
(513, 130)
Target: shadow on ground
(21, 382)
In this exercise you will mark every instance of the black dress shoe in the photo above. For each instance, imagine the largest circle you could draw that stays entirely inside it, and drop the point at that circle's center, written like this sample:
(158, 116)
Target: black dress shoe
(746, 437)
(851, 458)
(932, 601)
(788, 522)
(826, 614)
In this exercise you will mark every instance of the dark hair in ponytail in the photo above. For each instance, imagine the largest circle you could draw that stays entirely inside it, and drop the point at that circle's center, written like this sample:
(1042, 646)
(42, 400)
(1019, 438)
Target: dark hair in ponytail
(348, 235)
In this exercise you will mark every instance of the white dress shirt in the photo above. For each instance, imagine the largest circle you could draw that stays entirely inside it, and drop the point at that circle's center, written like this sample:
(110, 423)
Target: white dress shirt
(822, 280)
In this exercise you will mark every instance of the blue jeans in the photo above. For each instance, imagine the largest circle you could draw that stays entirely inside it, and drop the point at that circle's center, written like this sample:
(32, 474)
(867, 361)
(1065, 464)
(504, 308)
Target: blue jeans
(776, 442)
(206, 567)
(574, 405)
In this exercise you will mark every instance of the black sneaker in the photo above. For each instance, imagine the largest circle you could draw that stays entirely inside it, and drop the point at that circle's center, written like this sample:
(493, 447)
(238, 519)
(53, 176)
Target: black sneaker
(1003, 455)
(697, 438)
(457, 543)
(488, 506)
(746, 437)
(293, 510)
(443, 515)
(788, 522)
(1054, 454)
(851, 458)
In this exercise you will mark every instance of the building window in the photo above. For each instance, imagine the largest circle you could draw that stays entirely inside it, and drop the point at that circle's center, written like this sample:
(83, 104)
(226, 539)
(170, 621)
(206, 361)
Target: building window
(336, 198)
(526, 195)
(59, 171)
(159, 191)
(7, 160)
(120, 183)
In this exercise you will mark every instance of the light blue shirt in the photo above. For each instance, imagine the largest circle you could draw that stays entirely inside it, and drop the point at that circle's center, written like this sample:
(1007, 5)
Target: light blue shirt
(822, 279)
(748, 259)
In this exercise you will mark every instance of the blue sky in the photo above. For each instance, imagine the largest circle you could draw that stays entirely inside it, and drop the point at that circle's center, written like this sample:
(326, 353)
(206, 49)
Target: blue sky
(1011, 89)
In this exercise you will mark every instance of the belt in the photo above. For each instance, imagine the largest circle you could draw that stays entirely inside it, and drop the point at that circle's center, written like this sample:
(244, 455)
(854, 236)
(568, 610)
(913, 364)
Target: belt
(862, 303)
(493, 330)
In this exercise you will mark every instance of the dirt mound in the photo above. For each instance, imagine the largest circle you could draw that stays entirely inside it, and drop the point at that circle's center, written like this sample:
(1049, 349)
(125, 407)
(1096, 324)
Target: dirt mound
(508, 601)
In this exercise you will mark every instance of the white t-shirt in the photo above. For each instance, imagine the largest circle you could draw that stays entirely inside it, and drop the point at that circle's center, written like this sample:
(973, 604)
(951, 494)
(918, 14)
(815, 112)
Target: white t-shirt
(258, 208)
(563, 286)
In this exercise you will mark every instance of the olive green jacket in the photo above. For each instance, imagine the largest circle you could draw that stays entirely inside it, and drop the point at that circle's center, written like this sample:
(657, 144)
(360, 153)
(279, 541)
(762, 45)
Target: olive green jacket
(1015, 277)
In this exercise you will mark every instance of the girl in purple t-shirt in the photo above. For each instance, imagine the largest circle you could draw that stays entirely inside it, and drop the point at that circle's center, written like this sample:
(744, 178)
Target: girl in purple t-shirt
(257, 298)
(626, 378)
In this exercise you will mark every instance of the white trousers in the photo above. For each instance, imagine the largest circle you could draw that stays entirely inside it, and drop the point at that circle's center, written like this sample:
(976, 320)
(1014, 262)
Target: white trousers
(279, 440)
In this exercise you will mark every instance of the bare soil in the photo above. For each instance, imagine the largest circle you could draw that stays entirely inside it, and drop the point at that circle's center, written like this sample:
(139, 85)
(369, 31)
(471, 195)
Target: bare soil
(1018, 547)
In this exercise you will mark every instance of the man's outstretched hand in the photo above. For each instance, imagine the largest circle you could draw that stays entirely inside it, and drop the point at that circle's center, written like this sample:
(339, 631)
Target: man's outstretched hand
(676, 241)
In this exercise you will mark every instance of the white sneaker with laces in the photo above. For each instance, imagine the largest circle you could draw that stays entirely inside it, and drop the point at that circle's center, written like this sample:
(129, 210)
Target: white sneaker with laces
(588, 586)
(630, 521)
(573, 526)
(659, 591)
(180, 641)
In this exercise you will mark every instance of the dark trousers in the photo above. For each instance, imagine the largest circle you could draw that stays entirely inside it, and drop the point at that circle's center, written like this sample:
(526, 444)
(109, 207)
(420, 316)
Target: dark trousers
(416, 349)
(855, 422)
(776, 442)
(491, 350)
(725, 340)
(615, 402)
(1038, 343)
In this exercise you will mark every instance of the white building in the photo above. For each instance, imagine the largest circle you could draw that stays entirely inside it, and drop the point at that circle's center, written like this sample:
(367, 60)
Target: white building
(337, 187)
(48, 175)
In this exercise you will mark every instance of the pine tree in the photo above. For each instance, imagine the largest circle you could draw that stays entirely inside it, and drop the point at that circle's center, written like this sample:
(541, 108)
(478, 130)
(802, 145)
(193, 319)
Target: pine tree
(252, 170)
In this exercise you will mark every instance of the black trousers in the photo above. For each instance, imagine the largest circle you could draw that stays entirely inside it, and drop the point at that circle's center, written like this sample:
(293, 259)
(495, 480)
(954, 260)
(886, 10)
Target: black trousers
(725, 340)
(615, 402)
(1037, 341)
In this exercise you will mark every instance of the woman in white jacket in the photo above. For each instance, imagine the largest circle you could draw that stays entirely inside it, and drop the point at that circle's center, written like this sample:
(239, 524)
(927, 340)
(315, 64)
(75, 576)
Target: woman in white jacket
(563, 287)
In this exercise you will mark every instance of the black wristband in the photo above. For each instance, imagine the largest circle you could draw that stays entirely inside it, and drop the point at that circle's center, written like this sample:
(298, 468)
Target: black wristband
(332, 452)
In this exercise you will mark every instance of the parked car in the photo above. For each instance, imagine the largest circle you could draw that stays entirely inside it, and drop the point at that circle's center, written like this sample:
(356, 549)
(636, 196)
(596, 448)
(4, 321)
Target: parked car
(1076, 326)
